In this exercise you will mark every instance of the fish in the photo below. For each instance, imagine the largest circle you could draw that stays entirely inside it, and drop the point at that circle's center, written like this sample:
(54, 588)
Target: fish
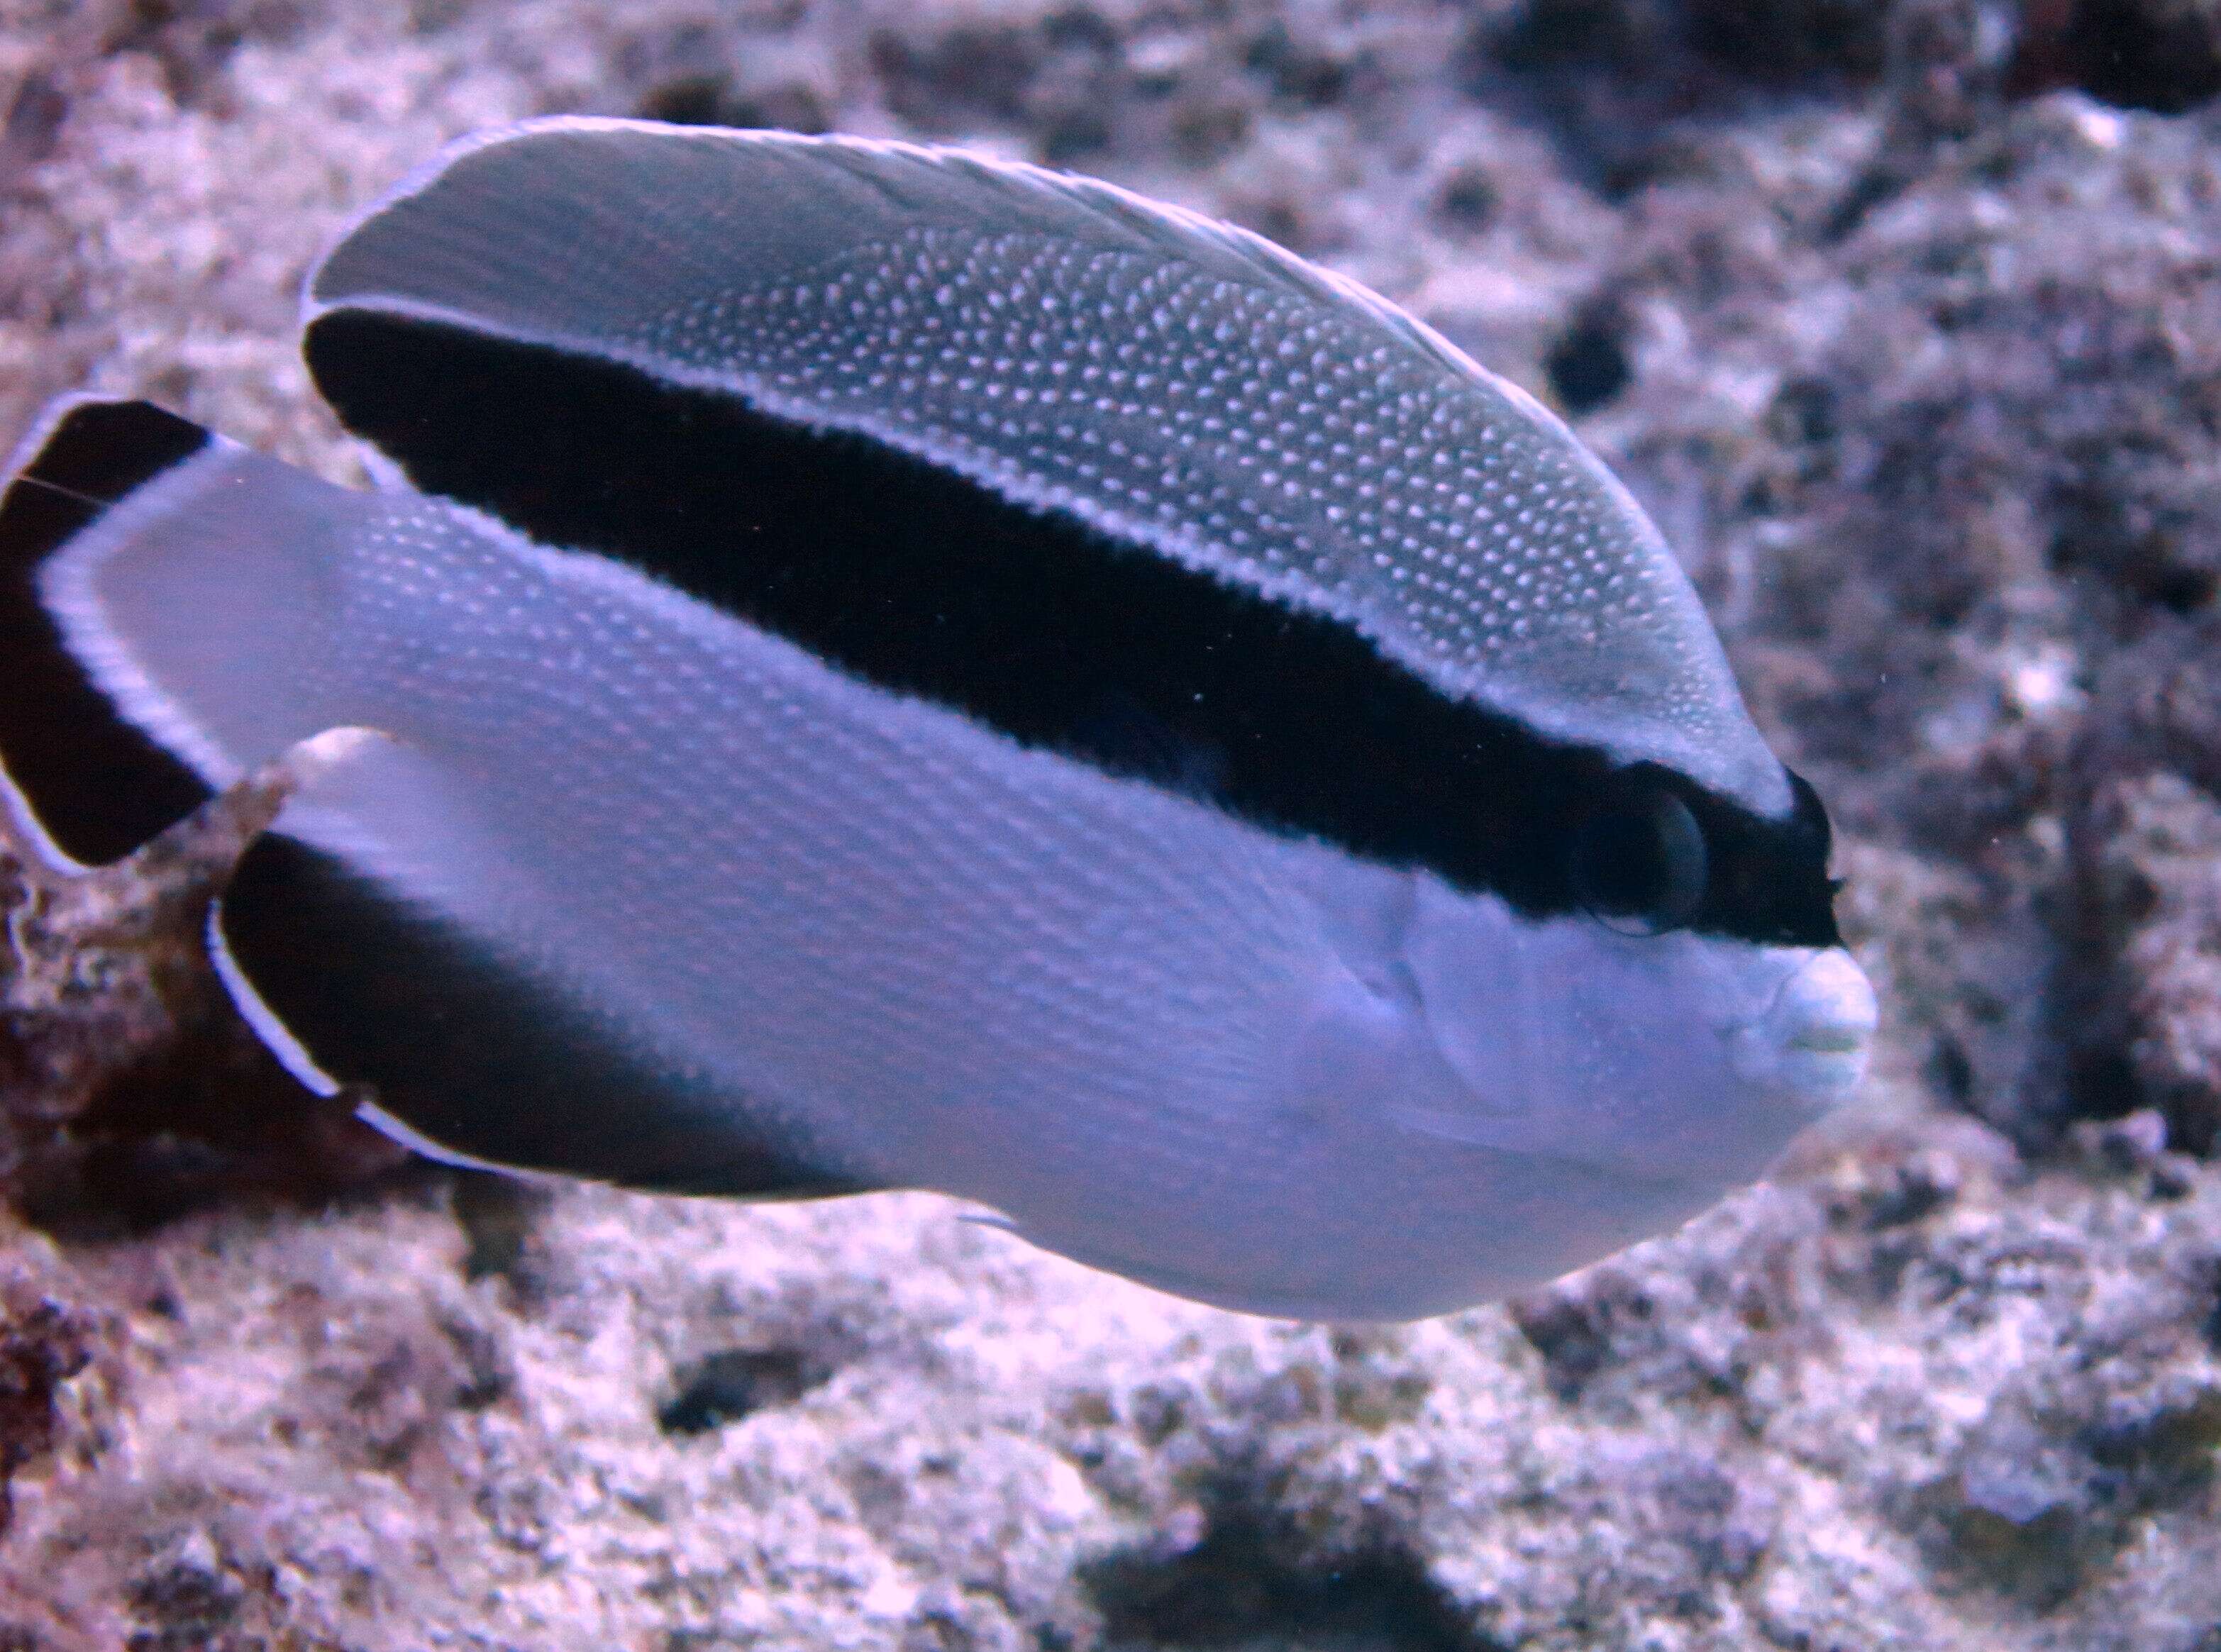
(868, 667)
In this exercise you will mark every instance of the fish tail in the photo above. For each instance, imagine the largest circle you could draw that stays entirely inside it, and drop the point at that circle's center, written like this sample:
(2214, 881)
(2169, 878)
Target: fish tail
(158, 584)
(175, 613)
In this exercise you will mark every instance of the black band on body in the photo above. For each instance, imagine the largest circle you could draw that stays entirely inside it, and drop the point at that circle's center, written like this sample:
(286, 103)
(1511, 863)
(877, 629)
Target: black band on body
(472, 1049)
(917, 579)
(99, 786)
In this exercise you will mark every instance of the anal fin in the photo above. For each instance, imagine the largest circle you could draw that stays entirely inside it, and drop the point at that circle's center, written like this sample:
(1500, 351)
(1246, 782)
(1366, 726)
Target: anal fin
(475, 1050)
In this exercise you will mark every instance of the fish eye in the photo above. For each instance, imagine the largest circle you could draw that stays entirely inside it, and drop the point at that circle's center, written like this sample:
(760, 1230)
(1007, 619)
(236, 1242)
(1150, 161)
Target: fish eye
(1639, 863)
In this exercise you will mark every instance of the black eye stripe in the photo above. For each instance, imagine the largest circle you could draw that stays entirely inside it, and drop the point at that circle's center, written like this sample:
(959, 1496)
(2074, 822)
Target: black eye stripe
(1640, 860)
(926, 582)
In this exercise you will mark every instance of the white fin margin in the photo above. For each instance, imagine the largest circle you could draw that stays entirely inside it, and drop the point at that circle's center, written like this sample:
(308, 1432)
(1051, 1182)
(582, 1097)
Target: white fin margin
(66, 582)
(923, 184)
(277, 1037)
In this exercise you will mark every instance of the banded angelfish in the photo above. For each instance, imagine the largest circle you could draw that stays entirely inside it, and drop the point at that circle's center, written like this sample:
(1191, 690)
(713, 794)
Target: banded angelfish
(873, 667)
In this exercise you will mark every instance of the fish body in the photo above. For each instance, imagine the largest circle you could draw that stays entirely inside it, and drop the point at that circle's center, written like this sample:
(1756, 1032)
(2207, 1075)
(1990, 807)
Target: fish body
(877, 668)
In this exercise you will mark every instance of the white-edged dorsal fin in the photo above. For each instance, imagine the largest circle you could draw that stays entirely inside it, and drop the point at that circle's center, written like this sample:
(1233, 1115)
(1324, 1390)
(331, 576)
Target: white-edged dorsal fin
(1169, 381)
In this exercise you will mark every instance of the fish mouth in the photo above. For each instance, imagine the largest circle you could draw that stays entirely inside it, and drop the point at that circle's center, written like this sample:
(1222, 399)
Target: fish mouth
(1812, 1039)
(1832, 1040)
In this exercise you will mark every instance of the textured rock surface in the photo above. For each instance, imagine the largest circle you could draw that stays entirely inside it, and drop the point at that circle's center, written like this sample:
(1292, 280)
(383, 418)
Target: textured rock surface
(1905, 318)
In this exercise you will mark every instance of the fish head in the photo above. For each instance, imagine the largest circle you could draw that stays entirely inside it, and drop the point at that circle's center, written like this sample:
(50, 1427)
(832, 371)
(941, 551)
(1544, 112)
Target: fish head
(1685, 1036)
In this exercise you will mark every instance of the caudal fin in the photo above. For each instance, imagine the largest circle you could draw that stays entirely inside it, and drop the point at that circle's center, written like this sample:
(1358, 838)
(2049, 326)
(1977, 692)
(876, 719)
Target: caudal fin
(89, 784)
(167, 600)
(175, 612)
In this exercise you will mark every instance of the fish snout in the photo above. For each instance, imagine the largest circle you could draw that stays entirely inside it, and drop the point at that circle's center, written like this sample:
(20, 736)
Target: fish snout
(1814, 1039)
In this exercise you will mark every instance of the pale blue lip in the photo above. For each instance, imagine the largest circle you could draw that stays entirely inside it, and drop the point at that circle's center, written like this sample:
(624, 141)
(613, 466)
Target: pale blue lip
(1813, 1038)
(1832, 1040)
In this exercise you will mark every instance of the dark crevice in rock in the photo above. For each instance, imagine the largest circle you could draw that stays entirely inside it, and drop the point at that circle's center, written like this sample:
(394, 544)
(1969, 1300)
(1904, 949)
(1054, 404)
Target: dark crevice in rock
(184, 1605)
(712, 98)
(2184, 591)
(689, 100)
(43, 1345)
(486, 1377)
(2101, 1081)
(207, 1118)
(735, 1383)
(1588, 366)
(1621, 86)
(1581, 1333)
(1237, 1589)
(2034, 1556)
(1296, 70)
(1950, 1071)
(1911, 1192)
(733, 67)
(193, 40)
(1468, 201)
(2053, 1484)
(32, 128)
(2162, 1454)
(496, 1214)
(1551, 33)
(1873, 187)
(2149, 553)
(192, 1123)
(1806, 413)
(1790, 40)
(2161, 55)
(1604, 81)
(2140, 1026)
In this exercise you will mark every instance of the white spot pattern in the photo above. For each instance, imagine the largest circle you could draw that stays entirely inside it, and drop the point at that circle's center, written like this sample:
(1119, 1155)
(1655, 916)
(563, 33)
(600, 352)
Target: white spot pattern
(1239, 426)
(1179, 384)
(1254, 434)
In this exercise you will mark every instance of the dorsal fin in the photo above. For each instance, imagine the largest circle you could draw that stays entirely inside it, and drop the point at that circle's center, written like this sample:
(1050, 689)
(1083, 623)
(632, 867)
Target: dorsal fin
(1166, 379)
